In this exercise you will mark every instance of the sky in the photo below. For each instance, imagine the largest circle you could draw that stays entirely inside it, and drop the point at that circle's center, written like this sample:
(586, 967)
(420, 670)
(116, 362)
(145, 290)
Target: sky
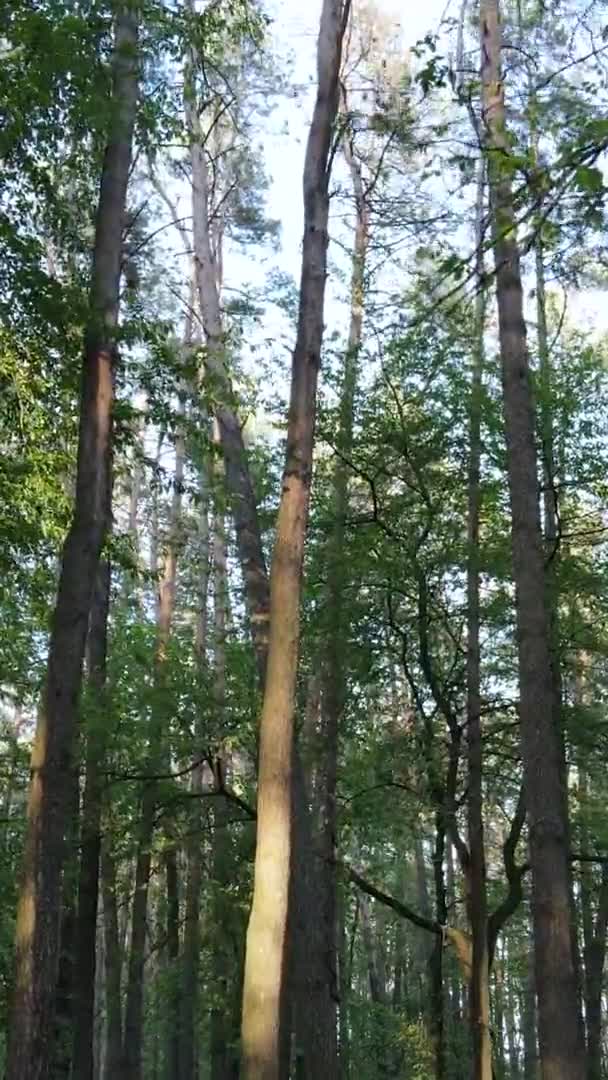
(295, 25)
(294, 29)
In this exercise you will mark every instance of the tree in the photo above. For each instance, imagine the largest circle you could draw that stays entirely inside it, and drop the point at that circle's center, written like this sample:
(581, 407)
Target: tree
(37, 943)
(561, 1049)
(266, 954)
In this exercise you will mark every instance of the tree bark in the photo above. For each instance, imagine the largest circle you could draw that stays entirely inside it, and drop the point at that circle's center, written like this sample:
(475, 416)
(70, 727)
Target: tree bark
(194, 848)
(223, 1022)
(265, 969)
(479, 986)
(529, 1019)
(561, 1044)
(113, 969)
(595, 958)
(333, 668)
(88, 883)
(37, 932)
(437, 997)
(157, 760)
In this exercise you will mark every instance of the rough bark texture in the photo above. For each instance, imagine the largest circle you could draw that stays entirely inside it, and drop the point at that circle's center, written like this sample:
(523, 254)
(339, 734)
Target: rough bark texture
(88, 883)
(37, 933)
(561, 1044)
(266, 950)
(478, 907)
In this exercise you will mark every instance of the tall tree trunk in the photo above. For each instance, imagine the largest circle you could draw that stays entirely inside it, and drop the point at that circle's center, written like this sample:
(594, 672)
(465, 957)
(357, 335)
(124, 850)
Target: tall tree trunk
(224, 1031)
(173, 1041)
(550, 516)
(238, 478)
(157, 760)
(265, 969)
(561, 1044)
(344, 986)
(422, 949)
(529, 1019)
(333, 668)
(499, 1013)
(37, 932)
(510, 1019)
(595, 958)
(64, 992)
(194, 848)
(99, 1018)
(437, 1001)
(375, 972)
(88, 883)
(113, 968)
(478, 905)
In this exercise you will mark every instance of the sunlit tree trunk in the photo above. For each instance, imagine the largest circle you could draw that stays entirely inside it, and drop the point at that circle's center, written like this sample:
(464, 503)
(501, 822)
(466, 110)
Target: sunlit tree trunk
(266, 950)
(561, 1044)
(37, 932)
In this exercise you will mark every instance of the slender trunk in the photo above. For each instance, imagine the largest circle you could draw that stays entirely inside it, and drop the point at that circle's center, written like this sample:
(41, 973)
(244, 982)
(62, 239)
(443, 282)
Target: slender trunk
(265, 971)
(238, 478)
(344, 988)
(224, 1025)
(113, 968)
(88, 883)
(133, 1026)
(173, 1042)
(64, 992)
(595, 958)
(510, 1021)
(99, 1018)
(479, 987)
(550, 515)
(529, 1019)
(453, 982)
(158, 760)
(377, 987)
(37, 932)
(437, 1009)
(422, 949)
(561, 1044)
(194, 848)
(499, 1014)
(244, 511)
(333, 669)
